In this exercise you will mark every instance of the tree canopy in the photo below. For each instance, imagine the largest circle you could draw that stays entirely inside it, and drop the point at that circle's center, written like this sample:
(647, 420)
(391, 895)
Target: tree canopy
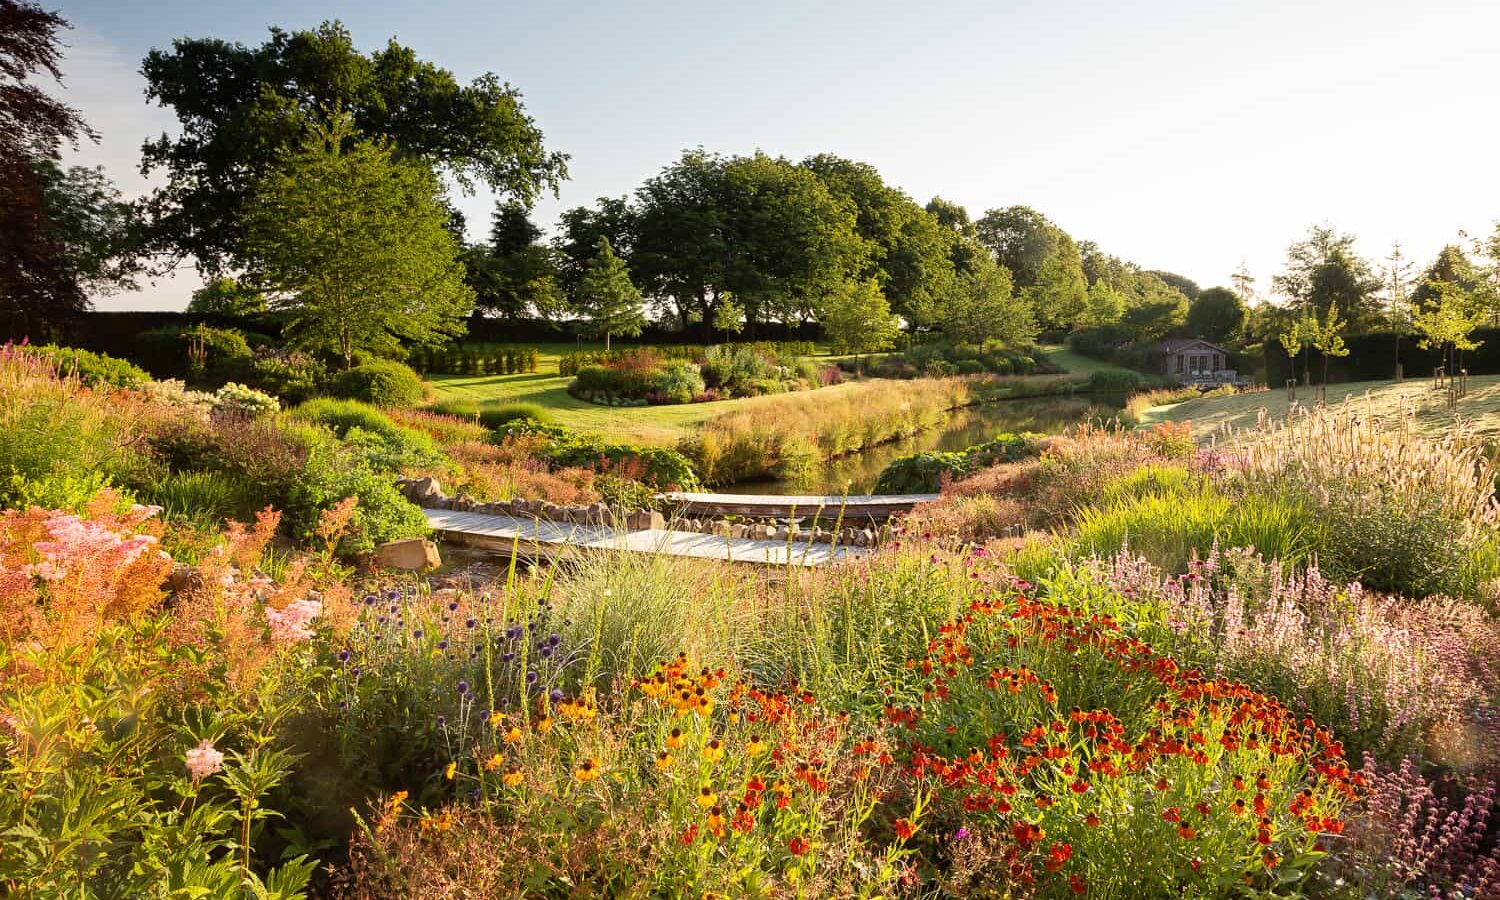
(1044, 262)
(53, 222)
(1323, 270)
(857, 318)
(242, 107)
(514, 275)
(353, 243)
(1217, 315)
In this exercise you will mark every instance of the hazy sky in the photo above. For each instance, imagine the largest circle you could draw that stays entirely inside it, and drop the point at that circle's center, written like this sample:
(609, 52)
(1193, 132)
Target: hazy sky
(1180, 135)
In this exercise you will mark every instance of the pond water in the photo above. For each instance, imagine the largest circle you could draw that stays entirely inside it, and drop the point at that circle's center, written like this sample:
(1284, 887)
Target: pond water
(966, 427)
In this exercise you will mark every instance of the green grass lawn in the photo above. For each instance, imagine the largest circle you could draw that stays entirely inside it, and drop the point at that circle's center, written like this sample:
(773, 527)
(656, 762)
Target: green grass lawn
(1209, 415)
(638, 424)
(1076, 363)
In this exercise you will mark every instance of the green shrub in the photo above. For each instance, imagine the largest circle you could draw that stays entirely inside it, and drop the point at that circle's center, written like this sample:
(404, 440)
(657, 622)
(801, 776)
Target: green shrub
(92, 369)
(386, 445)
(207, 498)
(381, 382)
(335, 471)
(1116, 381)
(662, 467)
(197, 354)
(292, 376)
(925, 473)
(676, 382)
(497, 416)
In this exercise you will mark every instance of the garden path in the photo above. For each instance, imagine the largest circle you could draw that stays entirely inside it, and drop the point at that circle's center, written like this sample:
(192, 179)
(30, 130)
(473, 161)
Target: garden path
(854, 508)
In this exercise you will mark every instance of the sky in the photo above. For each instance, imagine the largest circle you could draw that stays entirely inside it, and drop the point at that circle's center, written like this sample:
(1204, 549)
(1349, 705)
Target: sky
(1188, 136)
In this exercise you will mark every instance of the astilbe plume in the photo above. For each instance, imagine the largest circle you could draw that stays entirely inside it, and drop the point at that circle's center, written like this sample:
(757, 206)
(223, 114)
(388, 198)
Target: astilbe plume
(63, 575)
(1414, 835)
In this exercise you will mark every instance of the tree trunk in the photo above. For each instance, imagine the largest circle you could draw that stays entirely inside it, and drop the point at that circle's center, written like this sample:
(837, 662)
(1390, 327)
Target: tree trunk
(606, 343)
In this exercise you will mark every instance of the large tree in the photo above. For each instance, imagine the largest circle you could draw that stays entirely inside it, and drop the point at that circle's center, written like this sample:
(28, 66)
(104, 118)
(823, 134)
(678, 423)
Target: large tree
(964, 250)
(515, 275)
(38, 281)
(352, 242)
(1044, 262)
(1217, 315)
(986, 307)
(1323, 270)
(579, 231)
(906, 246)
(242, 107)
(857, 318)
(607, 300)
(756, 228)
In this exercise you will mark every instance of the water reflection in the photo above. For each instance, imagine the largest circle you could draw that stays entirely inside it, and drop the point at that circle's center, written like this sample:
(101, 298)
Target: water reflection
(972, 425)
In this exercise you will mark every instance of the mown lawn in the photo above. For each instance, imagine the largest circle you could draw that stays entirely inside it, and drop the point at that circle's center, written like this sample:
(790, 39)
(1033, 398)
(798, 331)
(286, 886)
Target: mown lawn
(638, 424)
(1077, 363)
(1210, 415)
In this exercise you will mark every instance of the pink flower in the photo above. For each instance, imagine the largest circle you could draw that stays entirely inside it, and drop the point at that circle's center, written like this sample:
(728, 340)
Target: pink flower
(203, 760)
(290, 623)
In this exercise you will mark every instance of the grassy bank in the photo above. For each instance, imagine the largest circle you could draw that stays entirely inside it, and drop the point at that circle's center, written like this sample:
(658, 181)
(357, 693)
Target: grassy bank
(1209, 415)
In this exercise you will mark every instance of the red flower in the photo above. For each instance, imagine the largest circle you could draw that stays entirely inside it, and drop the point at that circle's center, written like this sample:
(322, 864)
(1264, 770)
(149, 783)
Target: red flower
(1058, 854)
(798, 845)
(1076, 882)
(1171, 814)
(905, 829)
(1079, 786)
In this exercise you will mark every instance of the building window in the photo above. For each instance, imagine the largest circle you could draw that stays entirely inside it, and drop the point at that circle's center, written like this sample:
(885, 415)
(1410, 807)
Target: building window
(1217, 364)
(1179, 364)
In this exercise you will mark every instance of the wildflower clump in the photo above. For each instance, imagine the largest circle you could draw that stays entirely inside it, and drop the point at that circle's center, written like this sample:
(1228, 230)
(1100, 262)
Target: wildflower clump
(1061, 731)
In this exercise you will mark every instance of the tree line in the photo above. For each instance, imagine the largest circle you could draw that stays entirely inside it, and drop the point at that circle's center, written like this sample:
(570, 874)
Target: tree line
(307, 180)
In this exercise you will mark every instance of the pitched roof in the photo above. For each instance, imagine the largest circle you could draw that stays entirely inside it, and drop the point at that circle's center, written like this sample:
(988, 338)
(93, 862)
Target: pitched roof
(1175, 345)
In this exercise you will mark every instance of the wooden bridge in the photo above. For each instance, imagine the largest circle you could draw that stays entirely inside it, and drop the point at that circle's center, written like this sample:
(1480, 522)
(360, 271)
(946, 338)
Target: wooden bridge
(546, 539)
(855, 509)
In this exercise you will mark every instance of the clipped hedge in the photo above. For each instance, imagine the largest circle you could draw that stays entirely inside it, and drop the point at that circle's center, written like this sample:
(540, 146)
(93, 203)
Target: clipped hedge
(475, 359)
(925, 473)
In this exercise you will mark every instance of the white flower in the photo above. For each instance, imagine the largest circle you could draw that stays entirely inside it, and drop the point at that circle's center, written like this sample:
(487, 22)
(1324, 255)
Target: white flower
(203, 760)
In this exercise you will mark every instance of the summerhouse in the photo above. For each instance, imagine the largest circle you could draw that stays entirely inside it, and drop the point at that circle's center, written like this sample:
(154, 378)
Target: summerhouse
(1196, 361)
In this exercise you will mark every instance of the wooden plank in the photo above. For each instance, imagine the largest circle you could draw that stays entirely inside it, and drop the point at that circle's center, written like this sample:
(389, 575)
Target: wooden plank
(863, 506)
(504, 534)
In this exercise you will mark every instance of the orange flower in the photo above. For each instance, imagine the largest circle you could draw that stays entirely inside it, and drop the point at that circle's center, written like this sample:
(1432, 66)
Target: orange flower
(512, 778)
(905, 829)
(707, 797)
(674, 740)
(513, 735)
(1058, 854)
(663, 761)
(798, 845)
(1091, 820)
(494, 762)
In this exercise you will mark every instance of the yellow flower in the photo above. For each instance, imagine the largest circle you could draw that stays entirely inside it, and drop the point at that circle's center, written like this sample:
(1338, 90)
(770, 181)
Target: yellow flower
(734, 718)
(707, 797)
(755, 746)
(450, 771)
(674, 740)
(587, 770)
(713, 751)
(444, 821)
(663, 761)
(544, 725)
(513, 735)
(512, 778)
(496, 718)
(494, 762)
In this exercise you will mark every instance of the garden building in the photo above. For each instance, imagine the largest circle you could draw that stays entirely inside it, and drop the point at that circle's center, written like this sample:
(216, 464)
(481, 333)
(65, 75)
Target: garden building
(1196, 361)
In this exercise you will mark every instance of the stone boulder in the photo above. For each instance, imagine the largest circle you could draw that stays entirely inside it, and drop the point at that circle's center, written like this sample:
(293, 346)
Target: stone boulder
(423, 491)
(409, 555)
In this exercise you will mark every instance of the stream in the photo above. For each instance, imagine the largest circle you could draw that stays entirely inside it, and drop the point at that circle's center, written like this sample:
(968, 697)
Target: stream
(967, 426)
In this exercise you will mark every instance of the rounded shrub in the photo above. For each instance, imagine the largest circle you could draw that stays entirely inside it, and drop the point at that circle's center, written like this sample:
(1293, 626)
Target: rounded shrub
(497, 416)
(92, 369)
(382, 382)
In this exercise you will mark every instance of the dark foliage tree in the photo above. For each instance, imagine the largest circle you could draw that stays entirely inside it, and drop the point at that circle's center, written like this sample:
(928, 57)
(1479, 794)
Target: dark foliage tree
(579, 231)
(240, 107)
(1217, 315)
(1188, 286)
(515, 275)
(38, 281)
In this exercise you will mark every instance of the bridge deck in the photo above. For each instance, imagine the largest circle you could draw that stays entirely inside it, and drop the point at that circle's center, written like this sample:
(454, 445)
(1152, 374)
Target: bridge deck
(544, 538)
(781, 506)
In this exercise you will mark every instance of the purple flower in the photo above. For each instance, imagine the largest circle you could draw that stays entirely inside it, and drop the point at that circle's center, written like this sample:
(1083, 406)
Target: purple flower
(463, 687)
(962, 834)
(344, 656)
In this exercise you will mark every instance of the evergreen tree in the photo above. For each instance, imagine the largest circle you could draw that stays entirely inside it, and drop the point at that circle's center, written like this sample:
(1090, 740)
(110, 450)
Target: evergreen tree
(607, 299)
